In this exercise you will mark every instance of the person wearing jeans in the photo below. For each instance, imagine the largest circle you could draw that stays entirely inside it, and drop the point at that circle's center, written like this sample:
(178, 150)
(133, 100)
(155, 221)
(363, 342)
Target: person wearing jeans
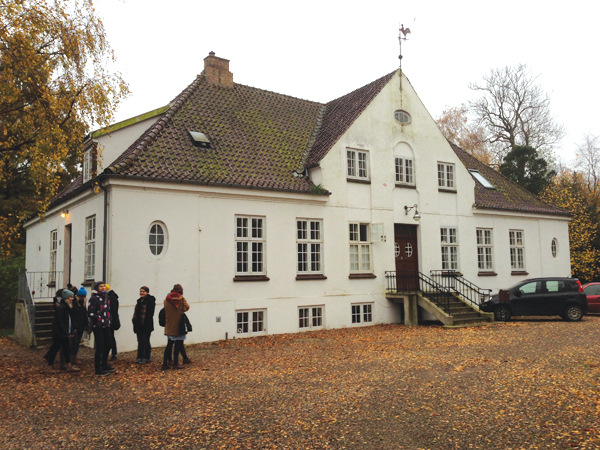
(175, 306)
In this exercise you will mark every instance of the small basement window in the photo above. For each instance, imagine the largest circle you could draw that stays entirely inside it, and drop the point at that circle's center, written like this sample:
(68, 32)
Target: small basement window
(483, 180)
(199, 139)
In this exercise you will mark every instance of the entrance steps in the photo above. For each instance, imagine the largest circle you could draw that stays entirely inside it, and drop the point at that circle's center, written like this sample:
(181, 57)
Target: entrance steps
(44, 316)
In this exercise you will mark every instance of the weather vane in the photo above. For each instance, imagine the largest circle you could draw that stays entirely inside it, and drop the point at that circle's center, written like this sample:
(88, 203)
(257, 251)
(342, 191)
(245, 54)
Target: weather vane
(403, 31)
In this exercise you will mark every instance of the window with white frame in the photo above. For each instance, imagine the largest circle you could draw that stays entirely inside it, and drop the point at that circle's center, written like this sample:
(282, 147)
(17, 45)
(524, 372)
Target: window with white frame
(358, 164)
(87, 165)
(250, 245)
(309, 242)
(404, 171)
(485, 248)
(449, 248)
(310, 317)
(362, 313)
(517, 249)
(446, 176)
(250, 322)
(53, 252)
(360, 247)
(90, 247)
(157, 238)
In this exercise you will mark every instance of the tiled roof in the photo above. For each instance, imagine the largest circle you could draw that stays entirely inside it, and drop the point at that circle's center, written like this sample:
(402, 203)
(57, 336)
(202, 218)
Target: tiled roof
(507, 195)
(258, 138)
(340, 114)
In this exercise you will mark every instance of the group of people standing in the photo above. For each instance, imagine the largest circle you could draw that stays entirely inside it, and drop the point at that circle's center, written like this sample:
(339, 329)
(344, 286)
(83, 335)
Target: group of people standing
(101, 316)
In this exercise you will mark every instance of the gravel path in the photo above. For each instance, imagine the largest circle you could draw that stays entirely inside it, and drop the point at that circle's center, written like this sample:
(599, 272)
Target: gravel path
(528, 384)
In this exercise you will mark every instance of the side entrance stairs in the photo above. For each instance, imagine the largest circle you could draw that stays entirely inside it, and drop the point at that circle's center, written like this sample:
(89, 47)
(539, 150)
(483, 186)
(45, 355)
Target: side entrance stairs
(44, 316)
(455, 313)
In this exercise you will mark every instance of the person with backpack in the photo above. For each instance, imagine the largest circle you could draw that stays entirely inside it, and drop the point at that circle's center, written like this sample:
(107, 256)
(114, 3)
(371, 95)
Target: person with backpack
(143, 324)
(175, 305)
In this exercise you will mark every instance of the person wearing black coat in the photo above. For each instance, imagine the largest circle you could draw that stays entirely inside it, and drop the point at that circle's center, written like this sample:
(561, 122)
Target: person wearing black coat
(80, 321)
(115, 323)
(143, 324)
(62, 331)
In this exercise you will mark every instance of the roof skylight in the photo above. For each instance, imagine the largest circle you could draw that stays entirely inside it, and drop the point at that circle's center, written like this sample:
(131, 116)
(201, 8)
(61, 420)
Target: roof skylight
(483, 180)
(199, 139)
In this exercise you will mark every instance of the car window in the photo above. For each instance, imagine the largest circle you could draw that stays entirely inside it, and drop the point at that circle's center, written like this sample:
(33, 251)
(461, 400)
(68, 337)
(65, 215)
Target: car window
(531, 288)
(555, 286)
(594, 289)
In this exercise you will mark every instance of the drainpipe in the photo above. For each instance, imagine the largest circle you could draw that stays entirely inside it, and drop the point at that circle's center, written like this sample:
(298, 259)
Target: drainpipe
(104, 229)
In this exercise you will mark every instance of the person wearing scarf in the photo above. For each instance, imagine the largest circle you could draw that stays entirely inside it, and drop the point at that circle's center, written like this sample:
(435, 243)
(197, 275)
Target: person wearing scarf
(175, 306)
(100, 318)
(143, 324)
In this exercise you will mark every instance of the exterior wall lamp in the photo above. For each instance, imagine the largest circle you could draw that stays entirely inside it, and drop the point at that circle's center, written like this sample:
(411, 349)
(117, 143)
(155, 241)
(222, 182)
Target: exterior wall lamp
(417, 216)
(64, 213)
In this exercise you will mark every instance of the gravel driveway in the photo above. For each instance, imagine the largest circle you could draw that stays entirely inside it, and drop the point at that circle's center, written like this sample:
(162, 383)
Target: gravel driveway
(528, 384)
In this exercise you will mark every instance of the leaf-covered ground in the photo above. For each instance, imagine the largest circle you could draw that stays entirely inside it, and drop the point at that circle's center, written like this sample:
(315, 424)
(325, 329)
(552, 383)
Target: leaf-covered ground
(528, 384)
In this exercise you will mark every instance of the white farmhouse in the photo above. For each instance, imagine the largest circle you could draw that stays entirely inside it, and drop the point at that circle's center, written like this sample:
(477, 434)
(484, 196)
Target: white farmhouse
(279, 215)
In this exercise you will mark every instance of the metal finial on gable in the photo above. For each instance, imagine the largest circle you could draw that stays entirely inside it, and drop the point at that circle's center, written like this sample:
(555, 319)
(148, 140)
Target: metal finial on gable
(403, 31)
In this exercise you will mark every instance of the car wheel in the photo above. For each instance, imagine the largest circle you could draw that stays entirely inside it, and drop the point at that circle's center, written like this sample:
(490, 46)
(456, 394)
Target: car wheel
(502, 314)
(573, 313)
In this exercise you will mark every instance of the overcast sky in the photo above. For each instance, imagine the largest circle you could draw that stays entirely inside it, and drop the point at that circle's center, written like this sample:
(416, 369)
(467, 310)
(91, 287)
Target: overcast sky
(321, 50)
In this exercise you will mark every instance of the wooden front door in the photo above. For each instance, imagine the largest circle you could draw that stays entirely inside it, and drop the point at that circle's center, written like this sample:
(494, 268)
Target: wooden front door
(407, 257)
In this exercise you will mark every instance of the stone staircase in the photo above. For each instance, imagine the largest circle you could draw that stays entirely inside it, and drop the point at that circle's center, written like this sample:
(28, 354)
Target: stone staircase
(44, 316)
(453, 312)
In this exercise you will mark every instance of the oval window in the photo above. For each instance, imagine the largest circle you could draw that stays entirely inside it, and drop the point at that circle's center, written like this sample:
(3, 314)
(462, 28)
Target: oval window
(403, 117)
(408, 250)
(157, 238)
(554, 247)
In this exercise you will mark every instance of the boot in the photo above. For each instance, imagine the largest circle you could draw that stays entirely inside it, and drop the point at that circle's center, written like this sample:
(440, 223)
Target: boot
(72, 368)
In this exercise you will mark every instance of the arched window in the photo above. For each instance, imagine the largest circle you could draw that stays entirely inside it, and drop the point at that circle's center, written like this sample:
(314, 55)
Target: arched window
(554, 248)
(157, 238)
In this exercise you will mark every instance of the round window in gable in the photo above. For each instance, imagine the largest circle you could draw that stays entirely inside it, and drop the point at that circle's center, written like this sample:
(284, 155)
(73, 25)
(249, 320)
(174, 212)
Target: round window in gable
(157, 239)
(554, 247)
(403, 117)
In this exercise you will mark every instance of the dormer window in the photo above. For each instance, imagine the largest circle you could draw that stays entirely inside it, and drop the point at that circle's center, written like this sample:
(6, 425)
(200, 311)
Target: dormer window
(87, 165)
(199, 139)
(483, 180)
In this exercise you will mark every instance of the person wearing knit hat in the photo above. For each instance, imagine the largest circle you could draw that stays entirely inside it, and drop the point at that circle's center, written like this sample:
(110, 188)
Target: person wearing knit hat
(80, 321)
(100, 318)
(62, 331)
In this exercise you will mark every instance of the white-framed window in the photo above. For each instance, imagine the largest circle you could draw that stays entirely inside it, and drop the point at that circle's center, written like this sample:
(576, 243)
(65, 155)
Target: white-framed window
(485, 249)
(90, 247)
(250, 245)
(449, 238)
(53, 253)
(157, 239)
(310, 317)
(251, 321)
(358, 164)
(360, 247)
(404, 171)
(309, 243)
(87, 165)
(554, 248)
(446, 176)
(517, 249)
(362, 313)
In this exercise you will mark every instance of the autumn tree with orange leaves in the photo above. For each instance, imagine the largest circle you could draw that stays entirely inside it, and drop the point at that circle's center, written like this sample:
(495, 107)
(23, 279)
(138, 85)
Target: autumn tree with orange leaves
(570, 190)
(54, 84)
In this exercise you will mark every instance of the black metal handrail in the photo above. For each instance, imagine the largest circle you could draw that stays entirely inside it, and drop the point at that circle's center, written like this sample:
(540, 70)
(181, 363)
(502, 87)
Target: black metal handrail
(463, 288)
(417, 282)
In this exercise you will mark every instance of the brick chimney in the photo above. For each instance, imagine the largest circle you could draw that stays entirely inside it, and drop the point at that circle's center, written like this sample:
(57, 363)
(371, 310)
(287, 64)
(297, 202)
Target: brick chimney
(216, 70)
